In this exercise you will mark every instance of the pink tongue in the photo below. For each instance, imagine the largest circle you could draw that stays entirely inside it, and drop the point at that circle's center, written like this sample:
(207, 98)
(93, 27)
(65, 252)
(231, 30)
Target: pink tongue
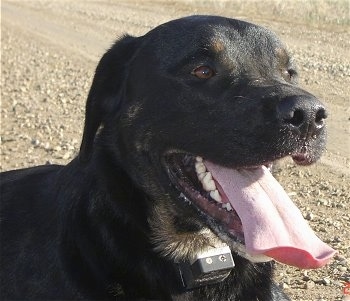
(272, 224)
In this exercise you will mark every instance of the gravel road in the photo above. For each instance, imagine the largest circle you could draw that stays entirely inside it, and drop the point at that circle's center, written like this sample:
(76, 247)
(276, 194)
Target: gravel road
(49, 50)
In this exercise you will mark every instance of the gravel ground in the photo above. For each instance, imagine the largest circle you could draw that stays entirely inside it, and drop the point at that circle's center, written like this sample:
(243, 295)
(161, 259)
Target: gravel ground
(49, 50)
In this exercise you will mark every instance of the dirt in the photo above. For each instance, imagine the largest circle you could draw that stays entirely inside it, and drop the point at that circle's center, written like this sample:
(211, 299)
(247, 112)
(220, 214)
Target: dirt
(49, 50)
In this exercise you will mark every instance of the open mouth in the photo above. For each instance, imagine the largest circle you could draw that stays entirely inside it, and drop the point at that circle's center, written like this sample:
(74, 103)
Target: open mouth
(196, 185)
(251, 207)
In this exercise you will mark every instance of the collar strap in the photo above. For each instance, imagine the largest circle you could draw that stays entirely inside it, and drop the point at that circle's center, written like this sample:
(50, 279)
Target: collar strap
(212, 266)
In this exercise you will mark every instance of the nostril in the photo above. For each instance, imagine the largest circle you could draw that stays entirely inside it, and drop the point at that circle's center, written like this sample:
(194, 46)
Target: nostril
(321, 115)
(303, 115)
(296, 118)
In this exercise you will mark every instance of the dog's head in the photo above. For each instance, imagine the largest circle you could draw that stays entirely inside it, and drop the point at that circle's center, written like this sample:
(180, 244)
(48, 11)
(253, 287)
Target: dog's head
(195, 111)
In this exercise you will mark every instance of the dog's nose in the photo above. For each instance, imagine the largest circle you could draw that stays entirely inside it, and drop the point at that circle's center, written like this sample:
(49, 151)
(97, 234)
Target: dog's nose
(303, 114)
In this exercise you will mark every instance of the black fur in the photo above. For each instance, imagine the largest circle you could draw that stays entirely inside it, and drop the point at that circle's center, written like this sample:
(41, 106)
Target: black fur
(96, 228)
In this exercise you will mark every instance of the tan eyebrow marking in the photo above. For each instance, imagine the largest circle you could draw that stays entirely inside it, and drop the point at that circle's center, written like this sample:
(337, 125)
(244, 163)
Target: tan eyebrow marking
(217, 46)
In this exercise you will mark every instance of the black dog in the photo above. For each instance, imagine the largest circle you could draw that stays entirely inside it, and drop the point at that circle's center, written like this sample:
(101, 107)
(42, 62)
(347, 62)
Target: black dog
(181, 126)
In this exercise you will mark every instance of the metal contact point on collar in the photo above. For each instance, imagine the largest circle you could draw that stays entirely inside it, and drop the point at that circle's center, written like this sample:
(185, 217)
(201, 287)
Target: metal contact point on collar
(209, 267)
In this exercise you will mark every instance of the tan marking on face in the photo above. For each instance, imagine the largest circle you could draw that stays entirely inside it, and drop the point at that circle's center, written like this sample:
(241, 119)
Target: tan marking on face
(217, 46)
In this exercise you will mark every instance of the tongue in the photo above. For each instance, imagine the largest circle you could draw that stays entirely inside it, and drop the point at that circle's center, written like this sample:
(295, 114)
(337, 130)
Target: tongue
(272, 224)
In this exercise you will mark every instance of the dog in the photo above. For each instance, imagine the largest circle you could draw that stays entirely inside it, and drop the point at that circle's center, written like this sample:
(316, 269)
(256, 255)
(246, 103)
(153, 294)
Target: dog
(171, 195)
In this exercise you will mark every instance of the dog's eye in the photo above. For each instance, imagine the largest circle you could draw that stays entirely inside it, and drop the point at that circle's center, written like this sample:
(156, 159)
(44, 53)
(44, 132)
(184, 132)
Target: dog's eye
(203, 72)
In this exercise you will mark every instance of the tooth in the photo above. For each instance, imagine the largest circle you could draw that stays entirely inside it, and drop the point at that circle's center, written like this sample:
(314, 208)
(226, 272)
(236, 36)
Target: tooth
(201, 176)
(208, 183)
(209, 186)
(208, 176)
(200, 167)
(227, 206)
(199, 159)
(215, 195)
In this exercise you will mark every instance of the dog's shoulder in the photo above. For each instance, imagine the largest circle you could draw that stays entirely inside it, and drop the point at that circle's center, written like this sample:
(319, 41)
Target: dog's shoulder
(22, 183)
(12, 176)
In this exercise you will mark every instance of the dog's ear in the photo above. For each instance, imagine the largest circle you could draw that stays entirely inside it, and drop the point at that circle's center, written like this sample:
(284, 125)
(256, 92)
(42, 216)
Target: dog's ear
(105, 94)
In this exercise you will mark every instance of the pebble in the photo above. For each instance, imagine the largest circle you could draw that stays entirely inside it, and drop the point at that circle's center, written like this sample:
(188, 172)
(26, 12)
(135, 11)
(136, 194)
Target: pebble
(306, 278)
(342, 269)
(67, 155)
(310, 216)
(326, 281)
(309, 284)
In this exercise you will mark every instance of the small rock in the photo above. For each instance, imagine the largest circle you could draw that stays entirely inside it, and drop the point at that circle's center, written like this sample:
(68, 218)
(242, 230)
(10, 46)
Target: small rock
(36, 142)
(309, 284)
(342, 269)
(306, 278)
(309, 216)
(67, 155)
(339, 257)
(337, 239)
(326, 281)
(57, 148)
(46, 146)
(323, 202)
